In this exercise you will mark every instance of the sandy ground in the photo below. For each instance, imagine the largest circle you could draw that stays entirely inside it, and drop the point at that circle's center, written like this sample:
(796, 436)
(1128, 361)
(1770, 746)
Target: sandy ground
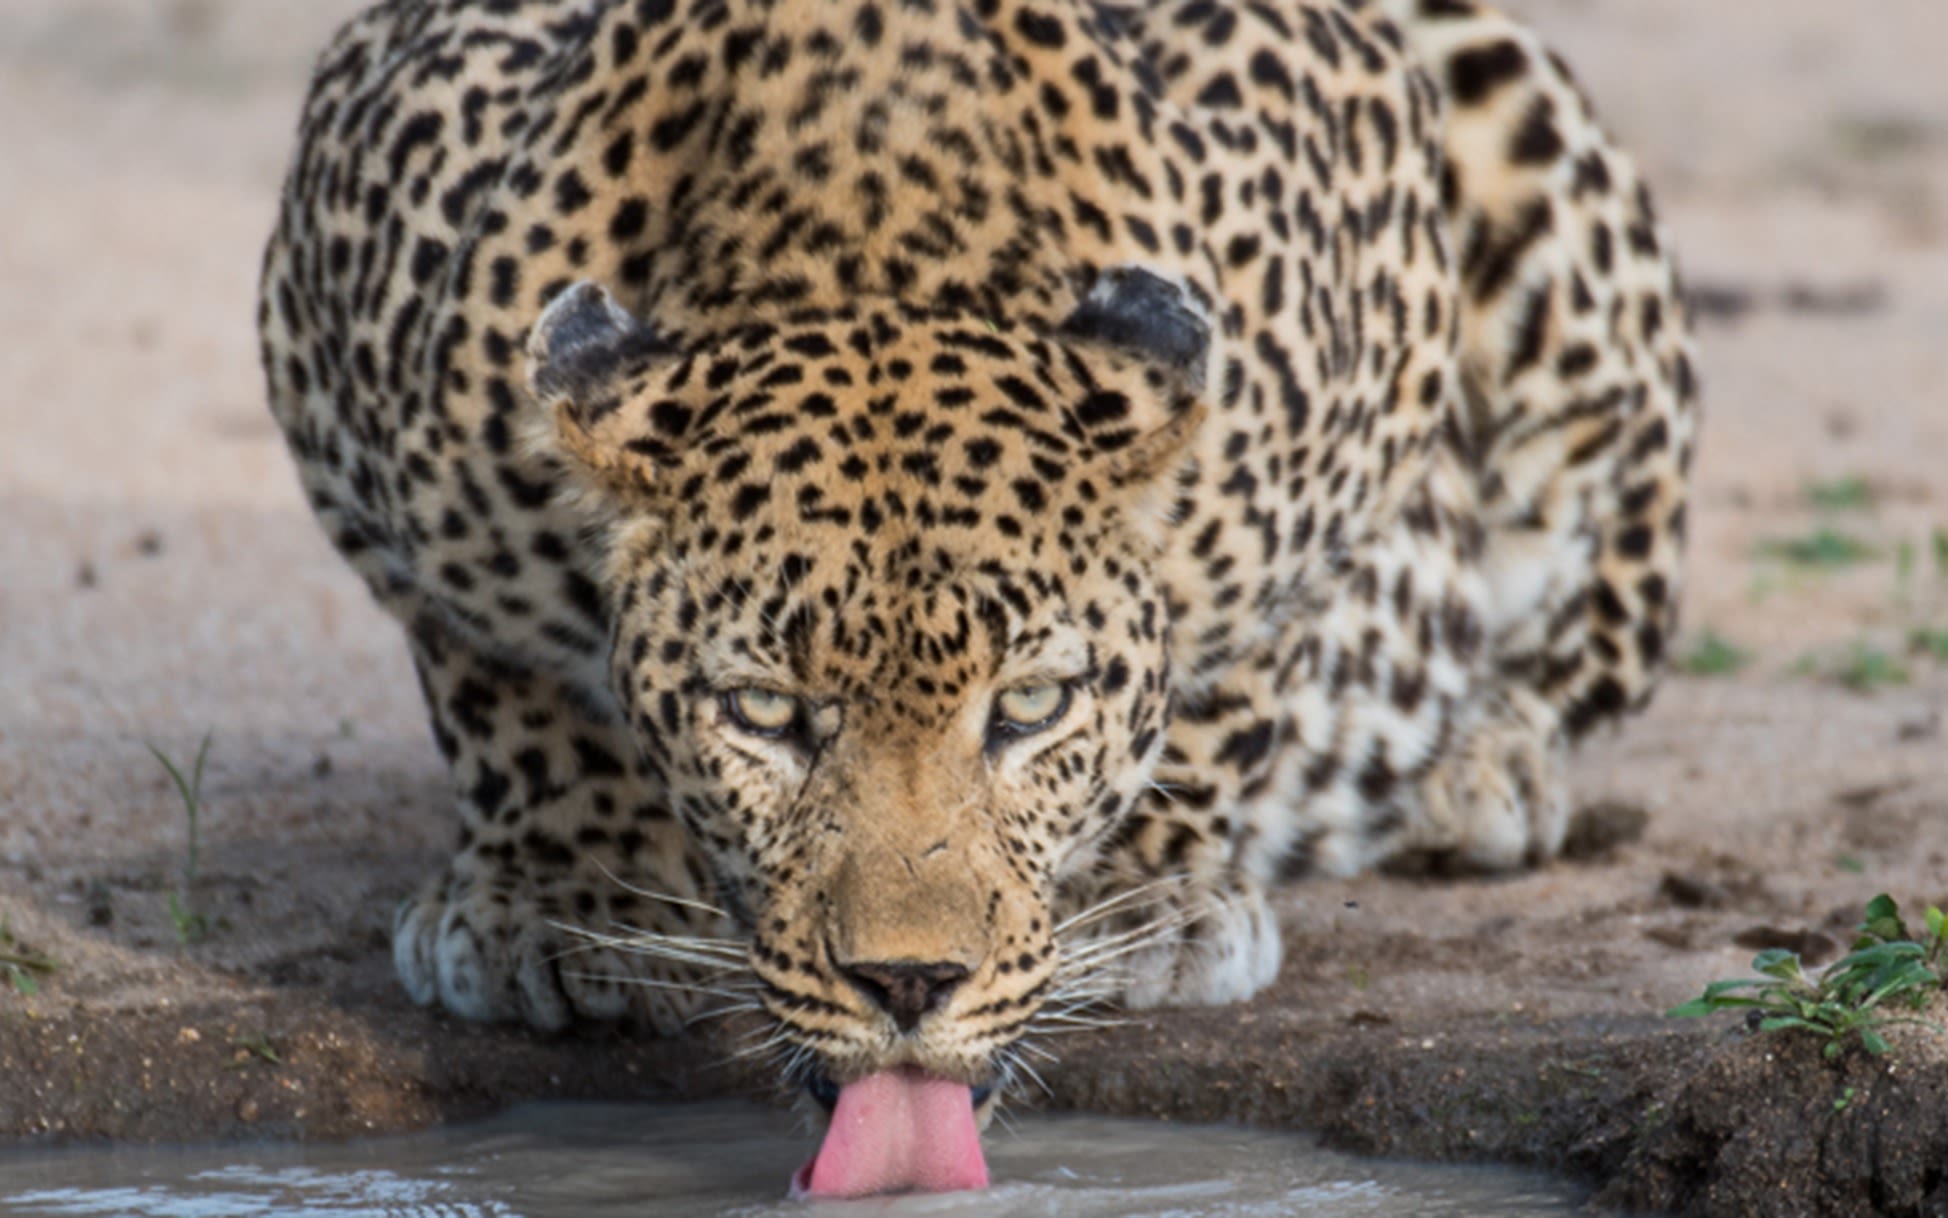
(160, 580)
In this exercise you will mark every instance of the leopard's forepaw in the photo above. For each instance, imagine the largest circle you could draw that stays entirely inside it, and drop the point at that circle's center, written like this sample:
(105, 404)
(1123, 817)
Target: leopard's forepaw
(497, 951)
(1502, 801)
(1208, 947)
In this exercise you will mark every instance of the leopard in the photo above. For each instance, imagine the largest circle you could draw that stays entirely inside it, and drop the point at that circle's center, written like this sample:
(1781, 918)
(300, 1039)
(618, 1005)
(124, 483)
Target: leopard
(911, 517)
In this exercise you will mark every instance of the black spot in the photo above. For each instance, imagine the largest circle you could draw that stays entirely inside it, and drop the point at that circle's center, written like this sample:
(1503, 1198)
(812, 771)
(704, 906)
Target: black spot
(1650, 643)
(618, 155)
(429, 256)
(982, 453)
(1592, 174)
(672, 129)
(1040, 29)
(1247, 747)
(1536, 140)
(422, 130)
(1495, 263)
(1220, 92)
(595, 761)
(1576, 360)
(1474, 74)
(490, 791)
(630, 220)
(749, 498)
(1635, 542)
(1102, 407)
(1531, 332)
(1608, 603)
(868, 25)
(1377, 778)
(671, 418)
(1602, 247)
(798, 456)
(1268, 70)
(571, 193)
(1115, 676)
(506, 281)
(585, 595)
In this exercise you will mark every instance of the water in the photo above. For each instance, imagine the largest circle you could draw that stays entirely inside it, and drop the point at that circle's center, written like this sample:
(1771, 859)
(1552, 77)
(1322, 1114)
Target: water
(554, 1161)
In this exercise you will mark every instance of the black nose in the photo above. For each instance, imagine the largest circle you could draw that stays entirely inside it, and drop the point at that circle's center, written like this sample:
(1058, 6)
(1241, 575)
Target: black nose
(906, 991)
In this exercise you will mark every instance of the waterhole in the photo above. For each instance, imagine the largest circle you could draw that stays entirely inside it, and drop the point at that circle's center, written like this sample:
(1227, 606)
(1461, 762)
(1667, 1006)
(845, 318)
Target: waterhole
(680, 1161)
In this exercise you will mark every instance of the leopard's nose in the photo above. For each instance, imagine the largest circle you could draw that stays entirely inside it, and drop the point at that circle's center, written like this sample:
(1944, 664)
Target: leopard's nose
(906, 990)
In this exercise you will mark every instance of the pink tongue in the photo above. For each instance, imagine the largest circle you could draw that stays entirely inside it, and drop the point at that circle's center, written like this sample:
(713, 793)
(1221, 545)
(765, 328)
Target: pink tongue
(897, 1131)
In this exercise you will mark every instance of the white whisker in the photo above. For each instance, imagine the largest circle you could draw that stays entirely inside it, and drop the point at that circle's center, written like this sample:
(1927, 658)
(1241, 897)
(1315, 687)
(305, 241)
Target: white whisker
(1016, 1063)
(777, 1041)
(718, 1012)
(1139, 894)
(665, 898)
(651, 983)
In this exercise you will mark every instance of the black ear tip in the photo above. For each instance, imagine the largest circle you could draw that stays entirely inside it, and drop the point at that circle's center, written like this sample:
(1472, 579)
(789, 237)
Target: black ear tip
(582, 328)
(583, 315)
(1146, 315)
(1135, 285)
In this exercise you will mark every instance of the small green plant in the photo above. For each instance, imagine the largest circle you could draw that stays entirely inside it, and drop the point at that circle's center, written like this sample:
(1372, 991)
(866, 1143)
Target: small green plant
(257, 1046)
(1849, 494)
(1868, 668)
(1864, 668)
(1929, 641)
(191, 926)
(22, 965)
(1887, 977)
(1823, 549)
(1713, 656)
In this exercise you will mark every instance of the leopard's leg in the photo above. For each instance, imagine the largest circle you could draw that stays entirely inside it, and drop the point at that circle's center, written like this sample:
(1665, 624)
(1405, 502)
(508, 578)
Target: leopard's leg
(1190, 921)
(1578, 421)
(561, 831)
(1311, 754)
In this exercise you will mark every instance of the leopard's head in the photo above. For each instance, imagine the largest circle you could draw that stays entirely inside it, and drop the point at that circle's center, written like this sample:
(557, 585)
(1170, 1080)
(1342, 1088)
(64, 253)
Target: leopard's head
(888, 631)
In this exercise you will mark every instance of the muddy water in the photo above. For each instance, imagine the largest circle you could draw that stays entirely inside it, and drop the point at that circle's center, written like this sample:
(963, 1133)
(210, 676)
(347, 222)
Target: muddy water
(727, 1159)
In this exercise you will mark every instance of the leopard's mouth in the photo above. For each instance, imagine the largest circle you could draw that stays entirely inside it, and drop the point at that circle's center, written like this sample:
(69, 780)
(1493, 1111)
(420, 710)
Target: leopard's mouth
(825, 1093)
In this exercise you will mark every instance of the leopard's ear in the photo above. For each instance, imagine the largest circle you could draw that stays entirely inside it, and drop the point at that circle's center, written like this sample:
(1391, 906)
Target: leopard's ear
(1154, 318)
(583, 351)
(1163, 324)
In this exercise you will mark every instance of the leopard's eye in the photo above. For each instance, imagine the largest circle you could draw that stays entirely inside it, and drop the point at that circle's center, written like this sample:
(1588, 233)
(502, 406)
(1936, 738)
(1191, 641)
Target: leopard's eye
(1028, 708)
(761, 712)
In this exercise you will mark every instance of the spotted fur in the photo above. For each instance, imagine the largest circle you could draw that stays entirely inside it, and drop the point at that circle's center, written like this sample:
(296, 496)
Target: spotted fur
(1300, 387)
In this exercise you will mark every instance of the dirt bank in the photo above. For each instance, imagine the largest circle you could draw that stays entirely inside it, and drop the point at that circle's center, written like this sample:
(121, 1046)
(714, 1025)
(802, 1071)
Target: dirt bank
(160, 580)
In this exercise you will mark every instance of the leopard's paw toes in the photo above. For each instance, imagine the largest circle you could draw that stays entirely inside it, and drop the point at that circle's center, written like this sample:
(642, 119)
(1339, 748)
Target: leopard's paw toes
(1224, 947)
(488, 954)
(1502, 801)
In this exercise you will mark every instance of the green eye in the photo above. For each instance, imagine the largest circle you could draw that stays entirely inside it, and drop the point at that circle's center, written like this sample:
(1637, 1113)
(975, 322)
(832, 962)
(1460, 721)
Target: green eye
(1029, 708)
(761, 712)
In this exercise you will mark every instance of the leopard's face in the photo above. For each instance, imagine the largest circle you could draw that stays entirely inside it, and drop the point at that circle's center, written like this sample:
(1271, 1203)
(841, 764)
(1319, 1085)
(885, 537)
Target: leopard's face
(886, 627)
(891, 758)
